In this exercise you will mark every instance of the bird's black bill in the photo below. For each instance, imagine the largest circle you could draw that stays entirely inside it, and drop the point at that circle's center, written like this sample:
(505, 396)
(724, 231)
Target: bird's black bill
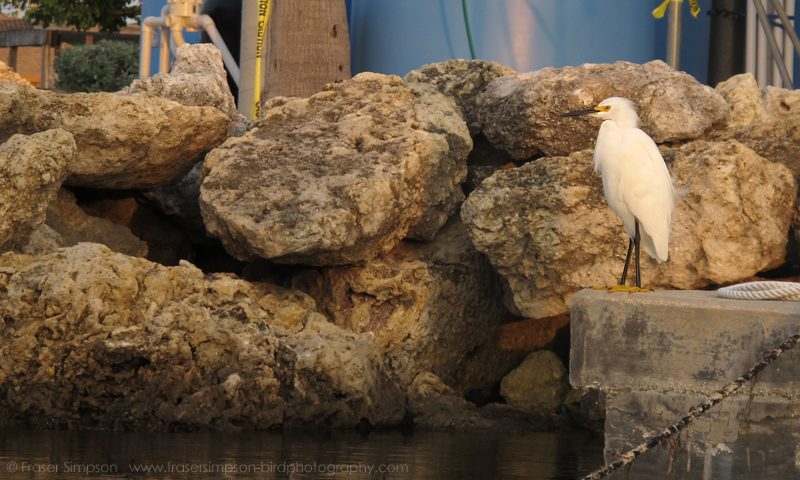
(577, 113)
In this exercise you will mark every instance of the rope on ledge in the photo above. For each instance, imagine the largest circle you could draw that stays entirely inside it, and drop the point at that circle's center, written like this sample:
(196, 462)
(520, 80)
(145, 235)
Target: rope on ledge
(786, 291)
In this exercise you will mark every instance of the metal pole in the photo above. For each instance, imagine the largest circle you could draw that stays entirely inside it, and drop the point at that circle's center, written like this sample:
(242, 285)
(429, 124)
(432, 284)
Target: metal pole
(726, 52)
(788, 27)
(763, 51)
(773, 45)
(750, 48)
(145, 50)
(674, 35)
(777, 32)
(788, 51)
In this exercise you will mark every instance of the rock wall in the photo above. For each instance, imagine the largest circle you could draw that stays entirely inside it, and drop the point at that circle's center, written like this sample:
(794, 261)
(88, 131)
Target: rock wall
(392, 296)
(431, 307)
(94, 338)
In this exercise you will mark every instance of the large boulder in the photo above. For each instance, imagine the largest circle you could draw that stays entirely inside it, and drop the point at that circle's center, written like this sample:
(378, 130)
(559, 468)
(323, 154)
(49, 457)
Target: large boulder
(547, 229)
(339, 177)
(431, 307)
(539, 383)
(197, 78)
(461, 80)
(781, 103)
(92, 338)
(32, 169)
(520, 113)
(132, 141)
(777, 140)
(744, 97)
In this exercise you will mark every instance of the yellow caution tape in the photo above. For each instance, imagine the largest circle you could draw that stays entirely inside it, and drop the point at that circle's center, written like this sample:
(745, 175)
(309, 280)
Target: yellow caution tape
(662, 9)
(264, 9)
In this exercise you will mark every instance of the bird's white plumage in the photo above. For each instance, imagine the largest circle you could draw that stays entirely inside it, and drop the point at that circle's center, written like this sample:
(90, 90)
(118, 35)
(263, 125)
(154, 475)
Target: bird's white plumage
(636, 181)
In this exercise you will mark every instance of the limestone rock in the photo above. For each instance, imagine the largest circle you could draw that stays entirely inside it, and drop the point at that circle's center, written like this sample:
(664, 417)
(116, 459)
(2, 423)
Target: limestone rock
(539, 383)
(744, 97)
(32, 169)
(98, 339)
(548, 231)
(461, 80)
(520, 113)
(777, 141)
(197, 79)
(74, 226)
(41, 241)
(432, 405)
(431, 307)
(133, 141)
(781, 103)
(339, 177)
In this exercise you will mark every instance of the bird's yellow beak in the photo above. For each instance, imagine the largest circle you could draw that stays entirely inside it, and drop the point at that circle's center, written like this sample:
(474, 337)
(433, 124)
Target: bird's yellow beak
(588, 111)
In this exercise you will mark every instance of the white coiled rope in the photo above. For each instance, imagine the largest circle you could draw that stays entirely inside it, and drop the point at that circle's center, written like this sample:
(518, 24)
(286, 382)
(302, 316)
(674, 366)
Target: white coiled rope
(787, 291)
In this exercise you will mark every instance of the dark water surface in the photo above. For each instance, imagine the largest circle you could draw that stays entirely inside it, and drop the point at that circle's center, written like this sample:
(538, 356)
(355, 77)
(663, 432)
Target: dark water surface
(46, 455)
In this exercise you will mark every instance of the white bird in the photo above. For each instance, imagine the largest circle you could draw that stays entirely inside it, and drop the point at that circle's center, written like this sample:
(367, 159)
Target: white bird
(636, 182)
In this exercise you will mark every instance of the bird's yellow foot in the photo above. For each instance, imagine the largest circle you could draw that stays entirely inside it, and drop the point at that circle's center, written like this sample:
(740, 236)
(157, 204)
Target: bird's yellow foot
(623, 288)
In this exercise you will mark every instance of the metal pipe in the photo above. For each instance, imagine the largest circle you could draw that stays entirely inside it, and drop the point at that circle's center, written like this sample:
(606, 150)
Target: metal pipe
(773, 45)
(762, 52)
(145, 50)
(171, 38)
(207, 23)
(674, 35)
(750, 46)
(163, 44)
(788, 28)
(176, 25)
(163, 50)
(788, 41)
(775, 74)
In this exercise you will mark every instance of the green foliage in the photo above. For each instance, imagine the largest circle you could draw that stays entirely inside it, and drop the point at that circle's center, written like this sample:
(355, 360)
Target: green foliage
(104, 67)
(109, 15)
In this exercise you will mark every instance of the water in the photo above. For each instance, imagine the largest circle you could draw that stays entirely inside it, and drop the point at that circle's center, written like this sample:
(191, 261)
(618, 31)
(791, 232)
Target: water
(46, 455)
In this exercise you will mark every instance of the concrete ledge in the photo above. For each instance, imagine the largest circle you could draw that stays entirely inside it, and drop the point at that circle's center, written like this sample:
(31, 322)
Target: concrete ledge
(680, 341)
(655, 355)
(736, 440)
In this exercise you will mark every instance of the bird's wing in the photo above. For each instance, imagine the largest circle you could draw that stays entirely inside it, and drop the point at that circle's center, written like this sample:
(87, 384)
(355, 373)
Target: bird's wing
(646, 188)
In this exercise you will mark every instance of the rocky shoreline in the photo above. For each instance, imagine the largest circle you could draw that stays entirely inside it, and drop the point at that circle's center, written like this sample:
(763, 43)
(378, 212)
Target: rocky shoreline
(369, 258)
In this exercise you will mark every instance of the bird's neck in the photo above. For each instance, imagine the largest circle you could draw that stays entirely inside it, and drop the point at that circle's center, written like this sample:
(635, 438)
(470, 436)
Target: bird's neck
(626, 122)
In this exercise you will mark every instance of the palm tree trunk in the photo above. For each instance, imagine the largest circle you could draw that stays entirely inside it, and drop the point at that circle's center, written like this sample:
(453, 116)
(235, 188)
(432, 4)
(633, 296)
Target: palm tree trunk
(307, 47)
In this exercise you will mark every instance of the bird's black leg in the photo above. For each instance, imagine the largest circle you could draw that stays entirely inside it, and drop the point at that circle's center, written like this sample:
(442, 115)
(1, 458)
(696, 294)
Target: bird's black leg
(627, 261)
(637, 240)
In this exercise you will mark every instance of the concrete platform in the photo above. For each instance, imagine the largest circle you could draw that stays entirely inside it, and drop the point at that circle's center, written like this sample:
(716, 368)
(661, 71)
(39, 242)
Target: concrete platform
(657, 354)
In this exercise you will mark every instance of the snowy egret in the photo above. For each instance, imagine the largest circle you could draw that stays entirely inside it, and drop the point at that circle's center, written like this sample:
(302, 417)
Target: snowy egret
(636, 182)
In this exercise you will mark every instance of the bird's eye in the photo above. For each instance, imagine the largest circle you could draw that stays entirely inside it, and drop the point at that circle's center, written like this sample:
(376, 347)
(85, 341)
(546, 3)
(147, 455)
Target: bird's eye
(603, 108)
